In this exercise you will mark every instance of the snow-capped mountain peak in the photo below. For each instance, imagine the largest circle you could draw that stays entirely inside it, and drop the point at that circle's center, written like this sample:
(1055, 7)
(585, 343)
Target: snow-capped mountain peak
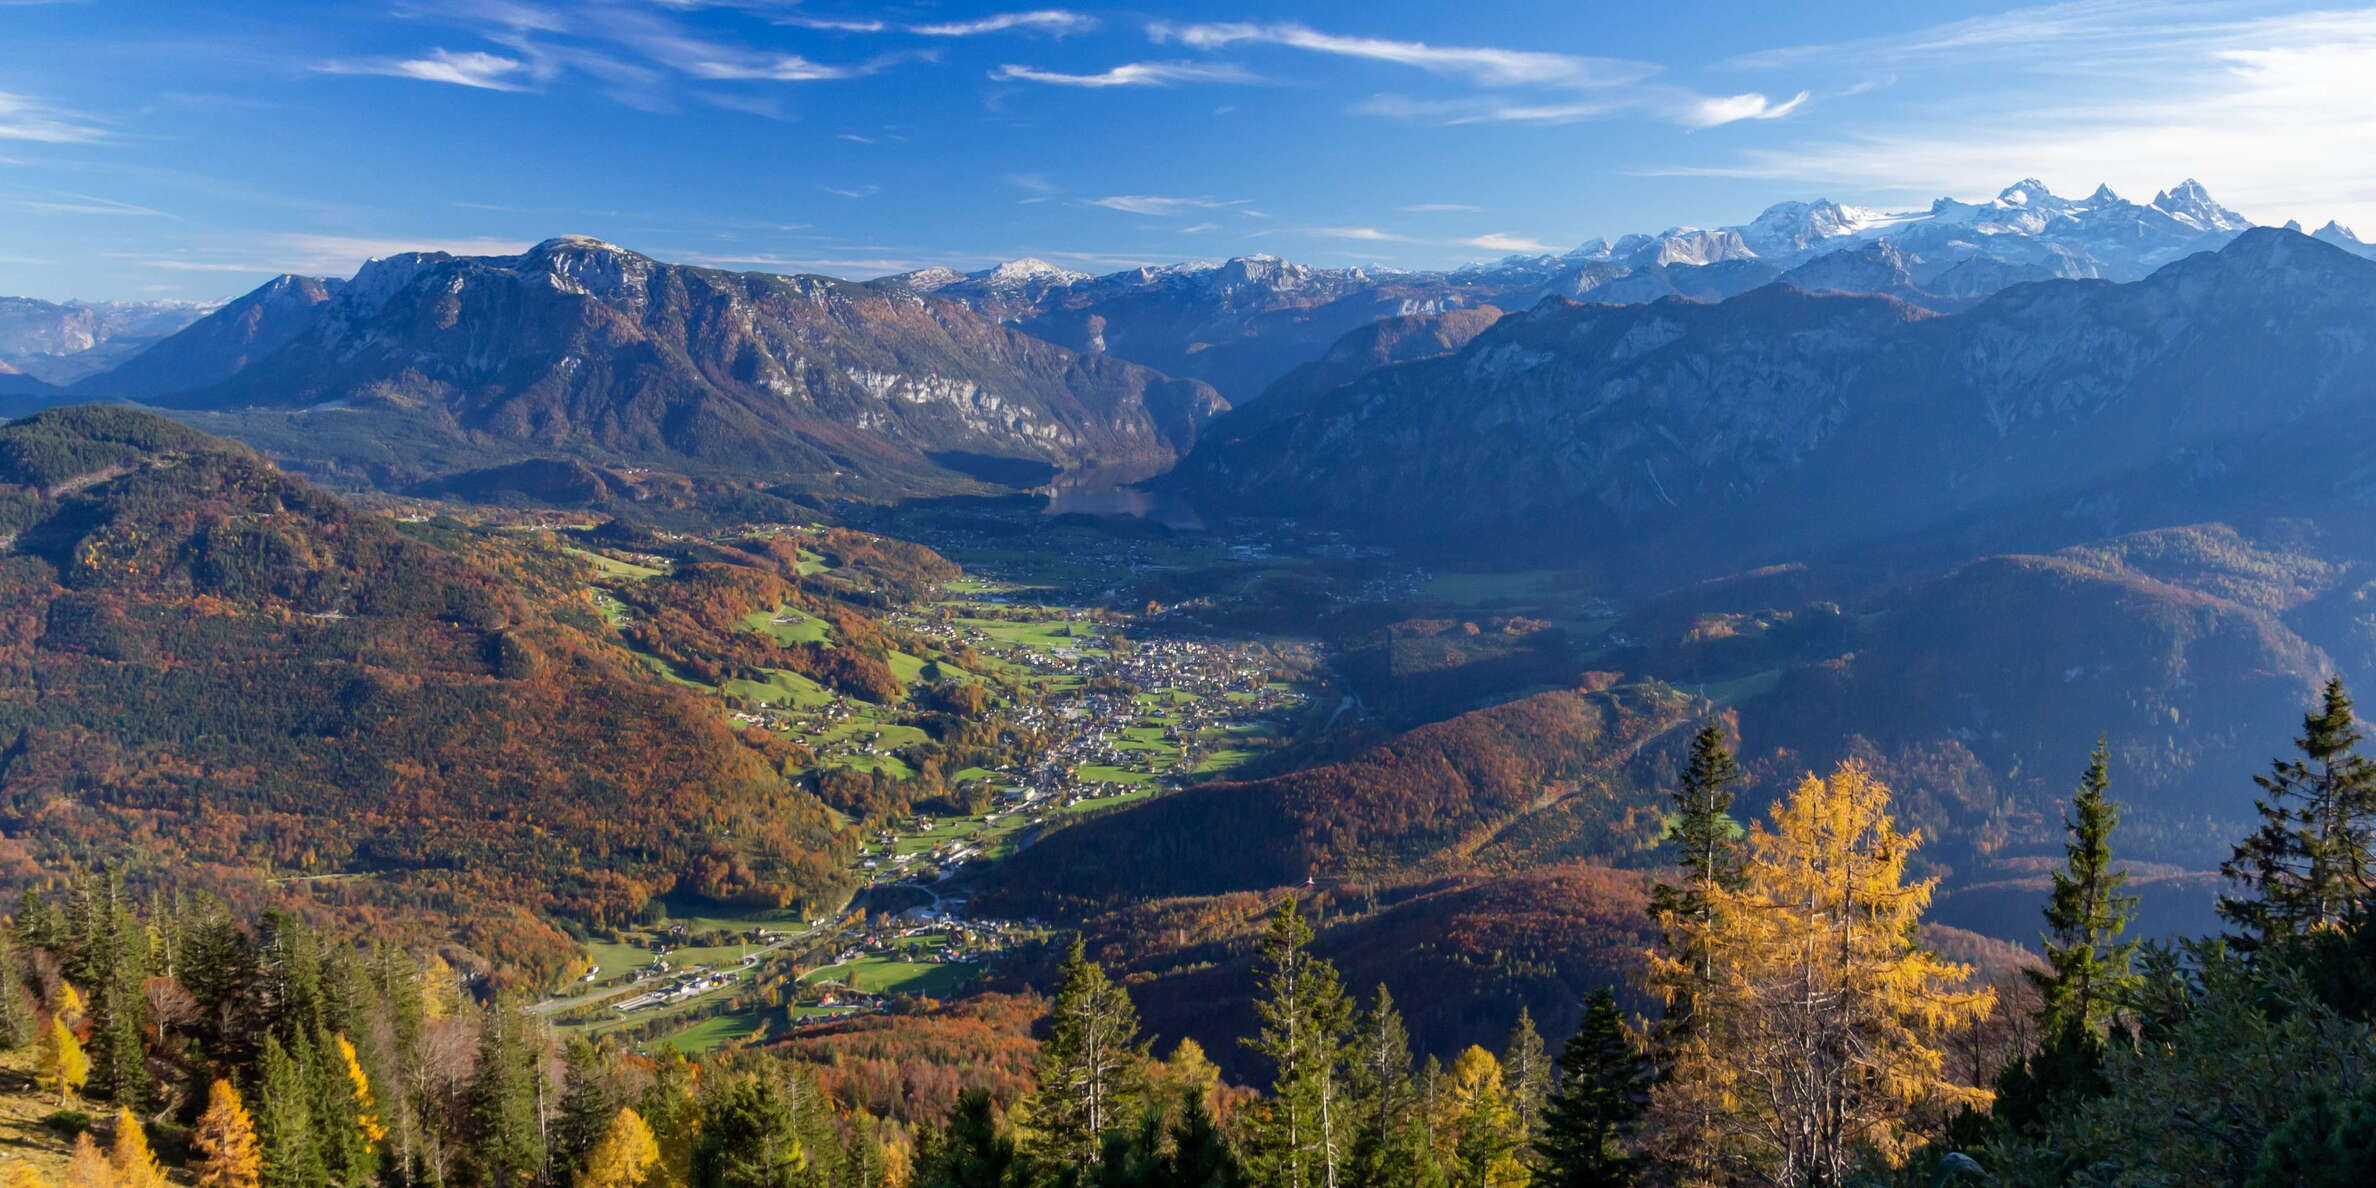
(1029, 270)
(2191, 204)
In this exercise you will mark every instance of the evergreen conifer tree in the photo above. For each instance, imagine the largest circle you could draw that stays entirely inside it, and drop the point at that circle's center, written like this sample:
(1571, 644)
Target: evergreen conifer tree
(1299, 1137)
(507, 1144)
(1088, 1070)
(748, 1138)
(2310, 862)
(1603, 1089)
(2088, 971)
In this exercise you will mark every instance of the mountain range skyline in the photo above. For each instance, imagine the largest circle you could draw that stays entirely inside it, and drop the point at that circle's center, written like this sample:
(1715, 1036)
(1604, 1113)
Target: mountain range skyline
(798, 139)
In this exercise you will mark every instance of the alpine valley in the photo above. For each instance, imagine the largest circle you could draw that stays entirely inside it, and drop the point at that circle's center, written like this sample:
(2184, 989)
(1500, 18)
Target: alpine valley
(493, 674)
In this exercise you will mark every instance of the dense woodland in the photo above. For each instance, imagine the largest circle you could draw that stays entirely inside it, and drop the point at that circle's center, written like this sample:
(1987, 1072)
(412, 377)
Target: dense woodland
(1804, 1032)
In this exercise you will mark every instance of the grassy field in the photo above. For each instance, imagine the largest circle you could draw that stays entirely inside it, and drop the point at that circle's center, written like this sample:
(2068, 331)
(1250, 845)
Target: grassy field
(886, 975)
(788, 626)
(612, 567)
(717, 1031)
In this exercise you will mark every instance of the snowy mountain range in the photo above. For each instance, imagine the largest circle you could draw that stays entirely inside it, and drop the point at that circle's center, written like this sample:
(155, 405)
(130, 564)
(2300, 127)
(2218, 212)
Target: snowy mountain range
(1243, 324)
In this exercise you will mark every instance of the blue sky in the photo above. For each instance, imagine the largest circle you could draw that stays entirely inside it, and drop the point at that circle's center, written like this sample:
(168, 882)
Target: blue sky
(191, 148)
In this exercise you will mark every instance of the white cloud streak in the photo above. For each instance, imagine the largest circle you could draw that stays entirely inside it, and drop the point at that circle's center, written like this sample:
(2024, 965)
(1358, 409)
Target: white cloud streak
(1482, 65)
(1129, 74)
(467, 68)
(1163, 207)
(23, 117)
(1500, 241)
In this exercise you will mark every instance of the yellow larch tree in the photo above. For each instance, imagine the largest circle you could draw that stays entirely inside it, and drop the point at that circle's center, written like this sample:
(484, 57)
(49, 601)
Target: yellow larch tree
(624, 1158)
(22, 1175)
(359, 1087)
(64, 1066)
(88, 1166)
(1820, 1034)
(228, 1153)
(134, 1164)
(1479, 1128)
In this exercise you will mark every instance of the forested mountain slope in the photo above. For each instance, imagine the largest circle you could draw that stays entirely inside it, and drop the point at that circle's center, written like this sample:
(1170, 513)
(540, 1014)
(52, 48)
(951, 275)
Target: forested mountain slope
(210, 665)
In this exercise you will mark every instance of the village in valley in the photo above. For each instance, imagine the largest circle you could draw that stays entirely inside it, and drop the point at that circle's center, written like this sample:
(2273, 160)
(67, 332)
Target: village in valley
(1124, 705)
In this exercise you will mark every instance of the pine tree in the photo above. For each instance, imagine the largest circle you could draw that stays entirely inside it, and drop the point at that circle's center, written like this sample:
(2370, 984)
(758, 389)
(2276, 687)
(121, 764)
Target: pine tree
(623, 1157)
(1299, 1135)
(748, 1139)
(508, 1145)
(64, 1068)
(1604, 1087)
(1088, 1066)
(1527, 1072)
(2088, 970)
(284, 1121)
(1818, 1033)
(228, 1153)
(135, 1165)
(2310, 862)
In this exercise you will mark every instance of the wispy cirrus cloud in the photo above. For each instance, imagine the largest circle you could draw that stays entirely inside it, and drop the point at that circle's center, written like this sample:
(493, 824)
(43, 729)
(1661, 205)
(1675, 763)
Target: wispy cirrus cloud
(1129, 74)
(1479, 64)
(1367, 234)
(1164, 207)
(1500, 241)
(23, 117)
(1054, 21)
(1046, 20)
(466, 68)
(61, 202)
(1511, 85)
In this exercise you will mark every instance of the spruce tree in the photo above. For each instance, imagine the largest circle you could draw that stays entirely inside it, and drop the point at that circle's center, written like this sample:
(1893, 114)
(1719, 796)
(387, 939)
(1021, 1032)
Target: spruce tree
(507, 1147)
(1088, 1068)
(18, 1024)
(2309, 864)
(1380, 1096)
(970, 1152)
(1709, 855)
(1299, 1136)
(2088, 969)
(587, 1110)
(1527, 1072)
(748, 1138)
(1200, 1155)
(285, 1120)
(1603, 1089)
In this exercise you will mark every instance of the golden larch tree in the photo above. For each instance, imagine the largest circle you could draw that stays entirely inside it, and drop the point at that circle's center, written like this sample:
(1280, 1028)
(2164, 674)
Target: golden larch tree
(22, 1175)
(64, 1066)
(88, 1166)
(1824, 1019)
(228, 1153)
(624, 1158)
(135, 1165)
